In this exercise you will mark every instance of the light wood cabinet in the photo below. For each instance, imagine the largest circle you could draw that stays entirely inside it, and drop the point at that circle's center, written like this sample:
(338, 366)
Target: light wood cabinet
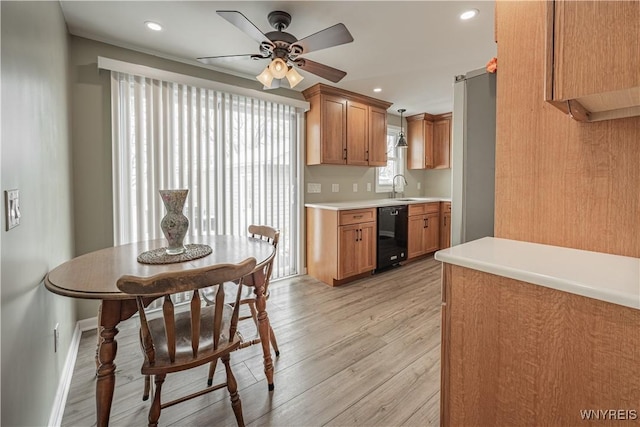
(345, 128)
(518, 354)
(341, 245)
(423, 235)
(429, 139)
(445, 225)
(442, 142)
(593, 58)
(420, 140)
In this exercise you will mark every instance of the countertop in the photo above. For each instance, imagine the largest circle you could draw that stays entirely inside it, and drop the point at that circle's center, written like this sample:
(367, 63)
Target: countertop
(605, 277)
(364, 204)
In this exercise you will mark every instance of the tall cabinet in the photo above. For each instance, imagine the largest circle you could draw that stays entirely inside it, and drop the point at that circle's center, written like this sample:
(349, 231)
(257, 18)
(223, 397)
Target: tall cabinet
(345, 128)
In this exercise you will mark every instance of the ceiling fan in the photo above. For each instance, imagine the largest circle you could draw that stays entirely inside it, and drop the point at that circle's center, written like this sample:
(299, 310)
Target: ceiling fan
(284, 49)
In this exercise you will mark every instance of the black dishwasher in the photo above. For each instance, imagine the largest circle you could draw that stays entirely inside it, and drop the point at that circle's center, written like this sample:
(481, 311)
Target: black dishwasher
(392, 236)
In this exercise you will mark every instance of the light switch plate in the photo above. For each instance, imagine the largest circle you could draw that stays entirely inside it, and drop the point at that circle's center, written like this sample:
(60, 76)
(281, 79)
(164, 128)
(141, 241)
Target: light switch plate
(335, 188)
(12, 208)
(355, 188)
(368, 186)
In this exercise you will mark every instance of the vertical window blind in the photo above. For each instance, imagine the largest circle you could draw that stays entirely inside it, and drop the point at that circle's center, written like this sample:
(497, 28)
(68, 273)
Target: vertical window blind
(237, 156)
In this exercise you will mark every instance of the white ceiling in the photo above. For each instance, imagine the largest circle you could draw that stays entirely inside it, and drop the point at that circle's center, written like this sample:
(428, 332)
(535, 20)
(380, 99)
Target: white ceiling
(410, 49)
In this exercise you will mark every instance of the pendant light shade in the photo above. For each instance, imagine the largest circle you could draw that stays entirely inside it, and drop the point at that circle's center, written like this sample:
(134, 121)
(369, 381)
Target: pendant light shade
(402, 141)
(278, 68)
(265, 77)
(294, 77)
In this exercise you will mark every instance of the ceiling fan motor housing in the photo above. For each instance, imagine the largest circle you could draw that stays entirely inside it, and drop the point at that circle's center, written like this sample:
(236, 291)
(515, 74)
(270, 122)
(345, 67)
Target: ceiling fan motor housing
(279, 20)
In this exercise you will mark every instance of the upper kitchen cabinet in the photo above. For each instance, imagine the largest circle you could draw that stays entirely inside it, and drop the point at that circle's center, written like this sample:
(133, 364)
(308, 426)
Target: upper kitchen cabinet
(442, 141)
(420, 140)
(593, 58)
(345, 128)
(429, 139)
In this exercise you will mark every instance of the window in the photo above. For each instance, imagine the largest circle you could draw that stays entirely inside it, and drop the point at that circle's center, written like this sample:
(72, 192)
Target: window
(237, 155)
(395, 164)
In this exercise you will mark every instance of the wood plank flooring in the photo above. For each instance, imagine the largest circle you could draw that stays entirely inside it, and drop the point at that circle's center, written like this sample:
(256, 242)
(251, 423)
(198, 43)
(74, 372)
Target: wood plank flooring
(362, 354)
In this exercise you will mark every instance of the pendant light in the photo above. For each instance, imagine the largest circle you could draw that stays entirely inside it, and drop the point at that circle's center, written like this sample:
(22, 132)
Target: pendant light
(402, 142)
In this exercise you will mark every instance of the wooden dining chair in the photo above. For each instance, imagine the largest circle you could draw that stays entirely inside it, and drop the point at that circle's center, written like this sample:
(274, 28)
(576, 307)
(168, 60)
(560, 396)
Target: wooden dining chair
(248, 297)
(188, 337)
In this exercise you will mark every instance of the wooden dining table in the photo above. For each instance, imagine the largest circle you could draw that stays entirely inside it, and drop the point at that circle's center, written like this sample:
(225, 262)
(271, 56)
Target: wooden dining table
(94, 276)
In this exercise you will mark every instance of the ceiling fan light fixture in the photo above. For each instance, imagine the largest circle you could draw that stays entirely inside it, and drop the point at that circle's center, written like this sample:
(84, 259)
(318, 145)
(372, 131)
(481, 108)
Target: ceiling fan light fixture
(278, 68)
(265, 77)
(294, 77)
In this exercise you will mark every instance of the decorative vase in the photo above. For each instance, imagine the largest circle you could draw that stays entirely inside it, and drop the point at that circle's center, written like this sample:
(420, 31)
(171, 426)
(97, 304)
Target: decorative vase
(174, 224)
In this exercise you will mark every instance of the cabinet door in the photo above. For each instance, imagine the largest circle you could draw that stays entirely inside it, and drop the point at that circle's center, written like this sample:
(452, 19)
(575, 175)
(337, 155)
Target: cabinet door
(377, 137)
(593, 58)
(442, 144)
(415, 139)
(334, 130)
(348, 244)
(445, 231)
(357, 133)
(432, 232)
(366, 250)
(415, 236)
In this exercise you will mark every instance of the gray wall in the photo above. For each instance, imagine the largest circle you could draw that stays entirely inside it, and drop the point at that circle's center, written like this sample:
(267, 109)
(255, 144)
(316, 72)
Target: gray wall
(36, 159)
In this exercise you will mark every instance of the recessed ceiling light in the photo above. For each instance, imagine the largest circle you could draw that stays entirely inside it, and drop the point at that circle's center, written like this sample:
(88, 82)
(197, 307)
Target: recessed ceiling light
(153, 26)
(377, 89)
(469, 14)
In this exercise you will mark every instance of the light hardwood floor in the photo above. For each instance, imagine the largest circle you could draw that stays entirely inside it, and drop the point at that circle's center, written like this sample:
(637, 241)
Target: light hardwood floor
(362, 354)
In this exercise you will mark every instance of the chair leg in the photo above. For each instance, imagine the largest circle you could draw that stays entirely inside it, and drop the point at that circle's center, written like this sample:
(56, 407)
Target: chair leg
(232, 386)
(212, 369)
(154, 412)
(147, 387)
(274, 343)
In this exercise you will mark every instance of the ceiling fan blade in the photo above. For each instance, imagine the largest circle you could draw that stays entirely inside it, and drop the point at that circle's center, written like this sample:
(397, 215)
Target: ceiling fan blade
(213, 60)
(329, 37)
(243, 23)
(332, 74)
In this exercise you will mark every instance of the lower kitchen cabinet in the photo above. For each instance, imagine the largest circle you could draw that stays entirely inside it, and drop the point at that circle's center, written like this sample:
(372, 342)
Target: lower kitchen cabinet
(424, 231)
(340, 244)
(445, 225)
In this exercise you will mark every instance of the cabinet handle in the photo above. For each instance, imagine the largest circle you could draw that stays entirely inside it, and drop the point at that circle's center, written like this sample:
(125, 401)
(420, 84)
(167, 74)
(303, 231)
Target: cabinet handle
(357, 216)
(345, 154)
(426, 223)
(367, 155)
(445, 221)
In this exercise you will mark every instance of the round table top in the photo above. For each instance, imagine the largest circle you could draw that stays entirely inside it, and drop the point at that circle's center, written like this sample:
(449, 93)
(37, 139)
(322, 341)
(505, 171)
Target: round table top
(94, 275)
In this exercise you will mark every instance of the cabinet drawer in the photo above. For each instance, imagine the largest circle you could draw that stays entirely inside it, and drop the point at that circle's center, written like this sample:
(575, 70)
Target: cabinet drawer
(357, 216)
(445, 206)
(424, 208)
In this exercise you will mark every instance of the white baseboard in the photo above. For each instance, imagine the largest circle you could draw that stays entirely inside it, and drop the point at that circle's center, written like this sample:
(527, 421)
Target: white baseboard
(60, 401)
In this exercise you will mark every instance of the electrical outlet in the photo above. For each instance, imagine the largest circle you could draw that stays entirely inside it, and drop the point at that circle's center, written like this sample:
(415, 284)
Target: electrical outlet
(368, 186)
(335, 188)
(419, 185)
(56, 337)
(355, 188)
(12, 208)
(314, 188)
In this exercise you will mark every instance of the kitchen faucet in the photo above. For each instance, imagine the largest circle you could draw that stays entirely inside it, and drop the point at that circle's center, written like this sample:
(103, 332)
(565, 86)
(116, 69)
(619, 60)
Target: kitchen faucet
(393, 184)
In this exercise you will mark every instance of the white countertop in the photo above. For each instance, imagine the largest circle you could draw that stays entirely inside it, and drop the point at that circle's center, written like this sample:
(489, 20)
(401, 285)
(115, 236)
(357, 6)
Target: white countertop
(601, 276)
(363, 204)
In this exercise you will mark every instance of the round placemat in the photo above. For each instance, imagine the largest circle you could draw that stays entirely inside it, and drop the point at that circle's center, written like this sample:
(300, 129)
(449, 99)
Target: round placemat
(159, 256)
